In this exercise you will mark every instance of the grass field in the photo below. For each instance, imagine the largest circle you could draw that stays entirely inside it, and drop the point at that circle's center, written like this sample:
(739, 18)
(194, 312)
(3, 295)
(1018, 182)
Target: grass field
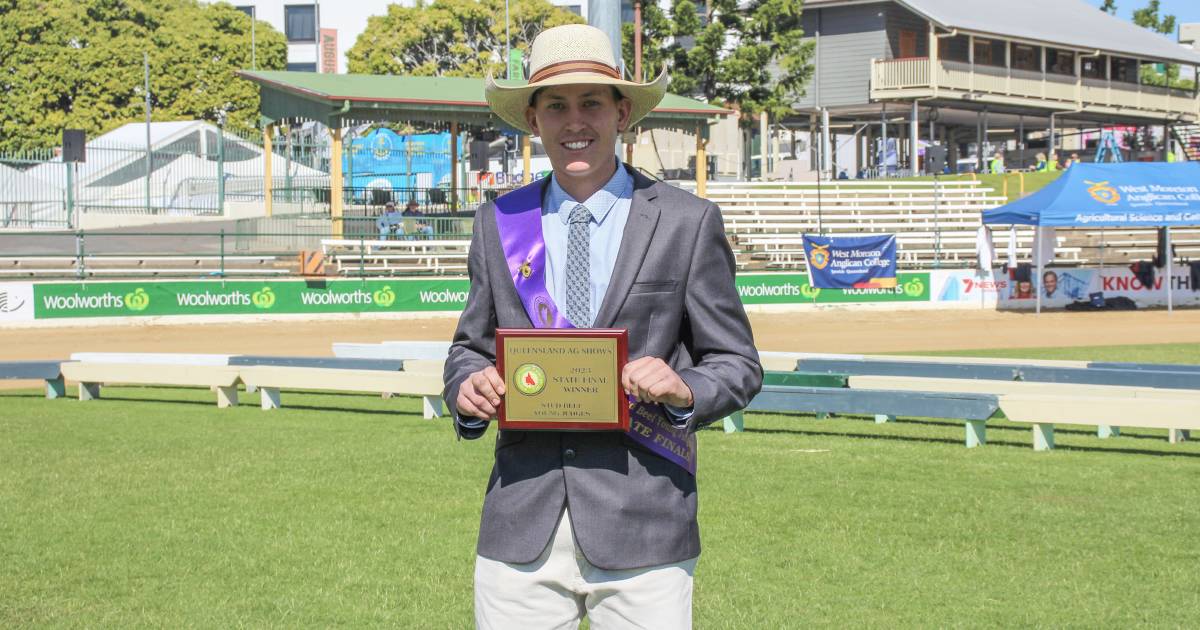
(154, 508)
(1009, 183)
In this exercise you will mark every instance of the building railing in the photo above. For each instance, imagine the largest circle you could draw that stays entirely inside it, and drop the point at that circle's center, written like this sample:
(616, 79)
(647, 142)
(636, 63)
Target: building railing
(914, 74)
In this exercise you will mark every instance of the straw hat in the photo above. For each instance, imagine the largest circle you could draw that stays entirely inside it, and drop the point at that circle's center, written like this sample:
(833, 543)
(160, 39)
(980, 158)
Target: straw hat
(571, 55)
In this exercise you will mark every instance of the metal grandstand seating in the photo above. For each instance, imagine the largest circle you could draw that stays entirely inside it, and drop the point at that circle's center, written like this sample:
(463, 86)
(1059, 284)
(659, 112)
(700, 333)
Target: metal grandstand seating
(354, 257)
(145, 265)
(933, 223)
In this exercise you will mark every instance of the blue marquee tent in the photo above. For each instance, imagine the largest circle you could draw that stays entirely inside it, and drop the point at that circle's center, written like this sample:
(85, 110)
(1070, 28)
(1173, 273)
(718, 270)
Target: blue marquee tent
(1127, 195)
(1132, 195)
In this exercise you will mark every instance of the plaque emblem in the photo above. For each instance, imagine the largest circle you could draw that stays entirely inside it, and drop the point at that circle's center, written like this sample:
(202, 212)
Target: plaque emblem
(530, 379)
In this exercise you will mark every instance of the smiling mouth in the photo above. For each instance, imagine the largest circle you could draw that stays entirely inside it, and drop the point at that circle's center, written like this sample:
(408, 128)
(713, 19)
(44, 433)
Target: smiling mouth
(577, 145)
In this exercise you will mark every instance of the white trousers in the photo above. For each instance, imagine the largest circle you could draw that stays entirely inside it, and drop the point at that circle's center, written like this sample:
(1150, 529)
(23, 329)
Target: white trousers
(561, 587)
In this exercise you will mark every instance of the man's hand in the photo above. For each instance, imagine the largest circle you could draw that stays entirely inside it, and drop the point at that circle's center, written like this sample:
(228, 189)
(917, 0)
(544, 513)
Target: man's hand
(650, 379)
(480, 394)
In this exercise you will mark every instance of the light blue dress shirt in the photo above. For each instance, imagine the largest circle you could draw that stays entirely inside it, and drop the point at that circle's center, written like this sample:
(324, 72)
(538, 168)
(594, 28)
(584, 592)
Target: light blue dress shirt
(610, 212)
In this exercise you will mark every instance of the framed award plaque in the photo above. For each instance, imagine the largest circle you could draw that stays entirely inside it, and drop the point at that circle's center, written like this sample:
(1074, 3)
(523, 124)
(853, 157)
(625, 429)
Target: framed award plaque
(563, 378)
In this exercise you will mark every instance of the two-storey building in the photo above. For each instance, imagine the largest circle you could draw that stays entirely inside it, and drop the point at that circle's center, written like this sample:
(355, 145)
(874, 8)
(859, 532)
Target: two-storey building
(969, 73)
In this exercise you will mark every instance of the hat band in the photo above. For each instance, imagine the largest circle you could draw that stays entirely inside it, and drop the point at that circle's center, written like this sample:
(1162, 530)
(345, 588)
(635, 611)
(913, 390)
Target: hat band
(565, 67)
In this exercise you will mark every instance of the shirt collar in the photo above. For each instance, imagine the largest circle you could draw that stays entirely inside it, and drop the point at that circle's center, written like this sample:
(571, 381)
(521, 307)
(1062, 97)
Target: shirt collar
(619, 186)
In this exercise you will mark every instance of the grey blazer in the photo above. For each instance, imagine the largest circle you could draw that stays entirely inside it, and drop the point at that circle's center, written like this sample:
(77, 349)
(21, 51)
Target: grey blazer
(672, 288)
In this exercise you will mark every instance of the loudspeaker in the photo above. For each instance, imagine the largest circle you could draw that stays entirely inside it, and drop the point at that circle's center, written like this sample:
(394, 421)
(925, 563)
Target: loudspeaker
(935, 159)
(73, 145)
(479, 155)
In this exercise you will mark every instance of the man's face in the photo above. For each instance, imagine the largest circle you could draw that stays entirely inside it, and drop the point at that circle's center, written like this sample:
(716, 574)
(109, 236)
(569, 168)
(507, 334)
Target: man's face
(1051, 283)
(578, 125)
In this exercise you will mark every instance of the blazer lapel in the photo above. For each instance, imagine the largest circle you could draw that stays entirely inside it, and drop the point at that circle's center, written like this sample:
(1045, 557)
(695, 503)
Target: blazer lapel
(639, 230)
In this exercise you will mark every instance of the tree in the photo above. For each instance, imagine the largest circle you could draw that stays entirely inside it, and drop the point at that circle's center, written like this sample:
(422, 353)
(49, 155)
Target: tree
(1109, 7)
(457, 38)
(78, 64)
(656, 28)
(751, 55)
(1148, 18)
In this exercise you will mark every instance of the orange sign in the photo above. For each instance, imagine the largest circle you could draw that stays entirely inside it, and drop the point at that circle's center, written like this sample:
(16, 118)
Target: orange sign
(329, 53)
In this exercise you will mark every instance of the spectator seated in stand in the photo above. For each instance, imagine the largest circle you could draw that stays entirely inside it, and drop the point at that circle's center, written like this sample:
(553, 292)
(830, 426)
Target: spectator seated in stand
(390, 223)
(423, 228)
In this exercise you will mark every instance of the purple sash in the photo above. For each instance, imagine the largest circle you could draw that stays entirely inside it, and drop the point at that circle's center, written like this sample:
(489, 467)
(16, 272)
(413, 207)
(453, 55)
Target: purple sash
(519, 221)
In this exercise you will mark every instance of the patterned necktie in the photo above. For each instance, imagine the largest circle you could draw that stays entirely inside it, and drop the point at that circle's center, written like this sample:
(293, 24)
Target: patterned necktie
(579, 290)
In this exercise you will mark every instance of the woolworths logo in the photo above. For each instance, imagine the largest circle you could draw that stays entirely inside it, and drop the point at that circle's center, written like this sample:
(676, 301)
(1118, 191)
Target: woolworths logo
(384, 297)
(445, 296)
(357, 297)
(786, 289)
(138, 300)
(263, 298)
(914, 287)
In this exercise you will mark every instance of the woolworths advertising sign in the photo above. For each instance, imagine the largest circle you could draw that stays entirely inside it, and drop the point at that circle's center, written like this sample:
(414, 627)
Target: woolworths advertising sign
(133, 299)
(793, 288)
(244, 297)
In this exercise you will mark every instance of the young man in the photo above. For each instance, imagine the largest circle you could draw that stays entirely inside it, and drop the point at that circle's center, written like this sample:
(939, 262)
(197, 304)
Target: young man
(596, 524)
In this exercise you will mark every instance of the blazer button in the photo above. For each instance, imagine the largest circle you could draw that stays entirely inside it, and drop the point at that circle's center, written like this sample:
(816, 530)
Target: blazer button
(569, 454)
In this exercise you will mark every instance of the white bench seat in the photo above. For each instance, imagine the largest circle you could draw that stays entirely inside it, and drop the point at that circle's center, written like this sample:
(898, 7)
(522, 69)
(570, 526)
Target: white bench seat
(91, 375)
(270, 379)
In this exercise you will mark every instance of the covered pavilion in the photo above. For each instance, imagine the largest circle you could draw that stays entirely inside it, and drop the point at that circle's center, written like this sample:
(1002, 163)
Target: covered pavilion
(452, 103)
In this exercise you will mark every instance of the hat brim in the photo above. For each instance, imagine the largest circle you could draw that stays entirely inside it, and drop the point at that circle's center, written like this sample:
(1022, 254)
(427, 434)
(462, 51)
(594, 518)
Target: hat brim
(510, 102)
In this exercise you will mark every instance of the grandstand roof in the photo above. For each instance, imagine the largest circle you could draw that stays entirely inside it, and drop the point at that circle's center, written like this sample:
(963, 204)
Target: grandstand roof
(1069, 23)
(421, 100)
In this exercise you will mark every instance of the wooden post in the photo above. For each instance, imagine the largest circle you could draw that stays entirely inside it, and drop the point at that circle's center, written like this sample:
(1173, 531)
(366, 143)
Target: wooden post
(934, 64)
(637, 40)
(268, 193)
(701, 162)
(526, 158)
(335, 182)
(454, 166)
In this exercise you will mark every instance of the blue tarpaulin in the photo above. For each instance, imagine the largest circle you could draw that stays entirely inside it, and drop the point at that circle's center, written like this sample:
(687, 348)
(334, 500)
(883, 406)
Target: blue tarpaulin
(1132, 194)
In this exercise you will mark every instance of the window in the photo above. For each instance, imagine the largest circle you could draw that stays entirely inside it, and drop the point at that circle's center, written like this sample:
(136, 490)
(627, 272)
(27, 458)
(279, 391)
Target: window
(1124, 70)
(989, 52)
(1060, 62)
(309, 66)
(1026, 58)
(300, 22)
(954, 48)
(1094, 67)
(574, 8)
(248, 10)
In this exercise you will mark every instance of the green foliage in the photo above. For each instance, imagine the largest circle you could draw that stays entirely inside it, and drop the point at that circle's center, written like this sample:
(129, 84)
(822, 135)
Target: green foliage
(1109, 7)
(656, 27)
(752, 58)
(78, 64)
(456, 38)
(1148, 17)
(1162, 75)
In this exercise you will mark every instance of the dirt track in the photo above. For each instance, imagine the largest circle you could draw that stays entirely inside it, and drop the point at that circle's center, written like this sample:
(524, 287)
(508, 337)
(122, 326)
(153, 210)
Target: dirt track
(845, 331)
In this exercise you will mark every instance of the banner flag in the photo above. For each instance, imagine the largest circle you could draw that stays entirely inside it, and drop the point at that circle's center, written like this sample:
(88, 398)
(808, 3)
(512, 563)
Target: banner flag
(851, 262)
